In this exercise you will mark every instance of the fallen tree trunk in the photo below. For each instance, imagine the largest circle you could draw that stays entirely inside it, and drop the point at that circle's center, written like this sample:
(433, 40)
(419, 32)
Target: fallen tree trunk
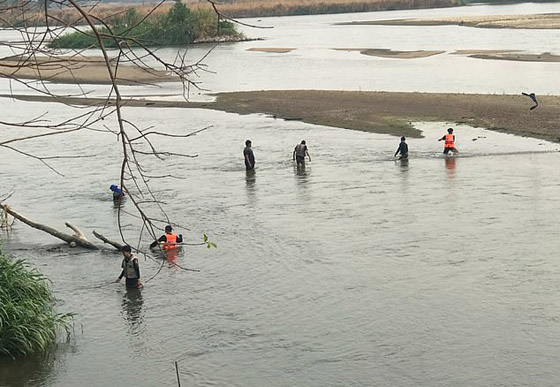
(78, 239)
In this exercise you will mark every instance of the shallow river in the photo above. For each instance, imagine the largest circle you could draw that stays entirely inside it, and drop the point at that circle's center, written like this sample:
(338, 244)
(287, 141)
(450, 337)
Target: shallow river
(356, 271)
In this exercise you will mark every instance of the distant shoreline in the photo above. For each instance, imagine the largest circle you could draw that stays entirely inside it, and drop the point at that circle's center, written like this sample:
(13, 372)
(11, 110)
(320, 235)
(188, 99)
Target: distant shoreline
(381, 112)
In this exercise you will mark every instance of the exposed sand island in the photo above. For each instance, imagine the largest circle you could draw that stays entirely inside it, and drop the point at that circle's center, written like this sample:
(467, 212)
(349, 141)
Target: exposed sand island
(388, 53)
(276, 50)
(510, 55)
(535, 21)
(380, 112)
(78, 70)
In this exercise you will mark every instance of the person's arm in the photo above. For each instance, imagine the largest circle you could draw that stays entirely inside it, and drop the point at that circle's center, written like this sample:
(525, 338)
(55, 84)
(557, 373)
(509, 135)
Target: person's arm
(180, 238)
(136, 267)
(120, 276)
(307, 153)
(294, 154)
(155, 243)
(443, 138)
(398, 150)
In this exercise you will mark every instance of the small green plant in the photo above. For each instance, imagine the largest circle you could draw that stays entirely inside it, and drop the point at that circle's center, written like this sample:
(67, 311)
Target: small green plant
(28, 321)
(208, 243)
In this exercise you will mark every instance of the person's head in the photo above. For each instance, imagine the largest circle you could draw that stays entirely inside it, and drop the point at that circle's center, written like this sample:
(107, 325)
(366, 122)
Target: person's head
(126, 251)
(113, 187)
(168, 229)
(303, 142)
(403, 139)
(450, 130)
(248, 143)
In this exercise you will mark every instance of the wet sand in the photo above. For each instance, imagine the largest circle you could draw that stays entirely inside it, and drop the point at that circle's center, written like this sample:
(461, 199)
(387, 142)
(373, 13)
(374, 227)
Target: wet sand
(78, 70)
(510, 55)
(276, 50)
(536, 21)
(379, 112)
(388, 53)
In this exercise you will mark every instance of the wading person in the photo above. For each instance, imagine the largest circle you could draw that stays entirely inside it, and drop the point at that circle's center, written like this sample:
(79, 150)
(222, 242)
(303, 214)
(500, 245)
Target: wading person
(249, 156)
(118, 193)
(402, 149)
(130, 269)
(169, 240)
(449, 139)
(299, 154)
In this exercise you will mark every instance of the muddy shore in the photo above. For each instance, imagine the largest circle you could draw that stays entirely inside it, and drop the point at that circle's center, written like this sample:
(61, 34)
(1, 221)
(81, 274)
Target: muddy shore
(380, 112)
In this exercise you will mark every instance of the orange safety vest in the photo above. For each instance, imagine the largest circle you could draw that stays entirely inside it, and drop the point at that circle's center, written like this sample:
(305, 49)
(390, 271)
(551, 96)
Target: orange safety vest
(171, 241)
(450, 141)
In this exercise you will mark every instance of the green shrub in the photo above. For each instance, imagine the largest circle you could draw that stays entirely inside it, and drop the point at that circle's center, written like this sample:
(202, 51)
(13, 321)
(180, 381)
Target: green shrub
(180, 26)
(28, 321)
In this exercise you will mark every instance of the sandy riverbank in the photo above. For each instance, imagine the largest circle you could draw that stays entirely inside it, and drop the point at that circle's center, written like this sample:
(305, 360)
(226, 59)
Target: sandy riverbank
(78, 70)
(535, 21)
(380, 112)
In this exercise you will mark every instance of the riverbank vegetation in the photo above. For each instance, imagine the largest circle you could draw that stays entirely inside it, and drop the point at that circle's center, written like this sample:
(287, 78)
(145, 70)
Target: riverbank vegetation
(32, 13)
(179, 26)
(28, 320)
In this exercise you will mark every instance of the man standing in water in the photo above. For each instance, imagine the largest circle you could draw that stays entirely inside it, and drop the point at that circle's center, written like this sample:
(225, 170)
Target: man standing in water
(130, 269)
(249, 156)
(402, 149)
(449, 139)
(299, 154)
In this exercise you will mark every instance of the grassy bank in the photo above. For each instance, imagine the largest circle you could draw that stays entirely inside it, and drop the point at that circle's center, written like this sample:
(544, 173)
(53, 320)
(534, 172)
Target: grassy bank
(28, 321)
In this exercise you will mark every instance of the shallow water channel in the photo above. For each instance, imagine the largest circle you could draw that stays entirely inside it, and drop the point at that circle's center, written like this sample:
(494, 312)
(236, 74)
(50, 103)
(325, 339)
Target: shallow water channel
(356, 271)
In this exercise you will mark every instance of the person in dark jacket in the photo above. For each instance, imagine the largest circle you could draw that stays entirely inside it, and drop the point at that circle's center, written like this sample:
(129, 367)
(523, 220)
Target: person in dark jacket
(402, 149)
(249, 156)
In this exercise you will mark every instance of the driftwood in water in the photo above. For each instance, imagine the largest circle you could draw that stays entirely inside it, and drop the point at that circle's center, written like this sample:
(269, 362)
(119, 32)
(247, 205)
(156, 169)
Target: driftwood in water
(116, 245)
(78, 239)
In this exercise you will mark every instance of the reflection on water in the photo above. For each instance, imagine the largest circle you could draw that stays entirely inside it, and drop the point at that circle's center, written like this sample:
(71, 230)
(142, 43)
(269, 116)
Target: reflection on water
(450, 164)
(132, 302)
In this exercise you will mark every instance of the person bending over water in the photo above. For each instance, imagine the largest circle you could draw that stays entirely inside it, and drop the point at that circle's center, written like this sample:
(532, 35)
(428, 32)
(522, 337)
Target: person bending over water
(449, 139)
(299, 154)
(402, 149)
(169, 240)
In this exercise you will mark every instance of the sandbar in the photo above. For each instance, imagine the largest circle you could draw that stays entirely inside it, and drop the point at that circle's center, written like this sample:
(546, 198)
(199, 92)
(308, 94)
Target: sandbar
(78, 70)
(276, 50)
(388, 53)
(380, 112)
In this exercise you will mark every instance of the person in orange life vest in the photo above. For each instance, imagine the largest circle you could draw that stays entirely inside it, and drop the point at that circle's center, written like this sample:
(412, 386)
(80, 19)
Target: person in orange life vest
(449, 139)
(169, 240)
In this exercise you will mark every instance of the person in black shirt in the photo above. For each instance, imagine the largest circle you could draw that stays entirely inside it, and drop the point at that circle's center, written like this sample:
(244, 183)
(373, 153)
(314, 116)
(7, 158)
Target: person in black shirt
(169, 240)
(402, 149)
(249, 156)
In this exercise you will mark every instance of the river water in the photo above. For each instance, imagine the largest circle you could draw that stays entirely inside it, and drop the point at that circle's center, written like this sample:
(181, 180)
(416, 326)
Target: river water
(356, 271)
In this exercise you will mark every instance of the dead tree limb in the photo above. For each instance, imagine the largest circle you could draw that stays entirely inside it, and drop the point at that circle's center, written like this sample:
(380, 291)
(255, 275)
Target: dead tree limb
(78, 238)
(116, 245)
